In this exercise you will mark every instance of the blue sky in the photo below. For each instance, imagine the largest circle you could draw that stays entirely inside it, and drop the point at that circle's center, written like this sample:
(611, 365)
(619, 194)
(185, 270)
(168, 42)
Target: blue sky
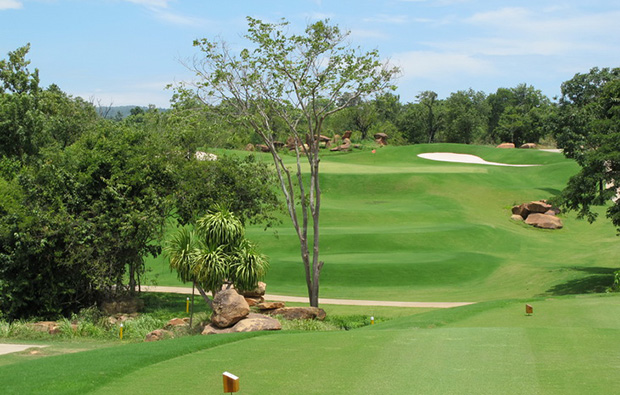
(124, 52)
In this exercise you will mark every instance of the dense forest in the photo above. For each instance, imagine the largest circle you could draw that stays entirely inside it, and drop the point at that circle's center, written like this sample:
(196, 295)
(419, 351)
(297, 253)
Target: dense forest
(83, 197)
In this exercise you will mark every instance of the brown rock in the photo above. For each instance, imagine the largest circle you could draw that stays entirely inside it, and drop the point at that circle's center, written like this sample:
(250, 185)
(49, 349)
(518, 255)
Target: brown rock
(544, 221)
(520, 210)
(347, 135)
(214, 330)
(252, 323)
(299, 313)
(262, 147)
(254, 301)
(257, 322)
(256, 292)
(158, 334)
(516, 217)
(228, 308)
(44, 326)
(249, 147)
(381, 138)
(553, 211)
(271, 305)
(528, 145)
(177, 322)
(538, 207)
(506, 145)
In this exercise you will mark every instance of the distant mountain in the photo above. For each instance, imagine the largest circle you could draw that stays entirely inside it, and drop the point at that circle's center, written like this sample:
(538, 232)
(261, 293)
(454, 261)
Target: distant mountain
(120, 112)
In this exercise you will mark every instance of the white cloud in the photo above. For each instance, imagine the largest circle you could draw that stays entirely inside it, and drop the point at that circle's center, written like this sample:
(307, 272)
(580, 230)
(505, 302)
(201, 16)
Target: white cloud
(10, 5)
(177, 19)
(439, 66)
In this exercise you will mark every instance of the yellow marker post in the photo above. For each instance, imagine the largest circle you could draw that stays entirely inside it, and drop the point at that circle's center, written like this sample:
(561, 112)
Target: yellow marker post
(121, 331)
(231, 382)
(187, 306)
(372, 320)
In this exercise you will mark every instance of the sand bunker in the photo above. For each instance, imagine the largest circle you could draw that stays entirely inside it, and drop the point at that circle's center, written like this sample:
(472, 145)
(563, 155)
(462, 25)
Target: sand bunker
(463, 158)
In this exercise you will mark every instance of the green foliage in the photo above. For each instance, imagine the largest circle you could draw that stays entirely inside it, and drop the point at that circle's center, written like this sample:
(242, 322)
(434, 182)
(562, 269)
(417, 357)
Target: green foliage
(587, 126)
(217, 253)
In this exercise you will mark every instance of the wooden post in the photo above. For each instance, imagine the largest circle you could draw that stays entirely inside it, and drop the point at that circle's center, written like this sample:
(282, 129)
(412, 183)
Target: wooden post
(529, 310)
(231, 382)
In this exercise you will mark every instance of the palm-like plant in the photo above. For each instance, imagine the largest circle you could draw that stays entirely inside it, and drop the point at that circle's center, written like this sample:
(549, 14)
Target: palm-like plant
(216, 254)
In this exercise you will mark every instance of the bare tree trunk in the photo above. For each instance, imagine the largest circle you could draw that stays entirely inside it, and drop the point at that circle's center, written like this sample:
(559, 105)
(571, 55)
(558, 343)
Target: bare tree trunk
(205, 296)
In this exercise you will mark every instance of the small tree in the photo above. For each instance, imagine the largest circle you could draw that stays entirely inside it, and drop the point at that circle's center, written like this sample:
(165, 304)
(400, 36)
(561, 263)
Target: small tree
(215, 255)
(297, 81)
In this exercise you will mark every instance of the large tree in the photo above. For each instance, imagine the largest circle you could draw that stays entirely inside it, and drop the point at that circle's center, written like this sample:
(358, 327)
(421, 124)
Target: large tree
(299, 81)
(587, 126)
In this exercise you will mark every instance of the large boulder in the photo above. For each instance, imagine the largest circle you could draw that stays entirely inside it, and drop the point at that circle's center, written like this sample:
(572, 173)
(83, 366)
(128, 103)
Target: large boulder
(299, 313)
(228, 308)
(520, 210)
(252, 323)
(528, 146)
(544, 221)
(538, 207)
(257, 322)
(506, 145)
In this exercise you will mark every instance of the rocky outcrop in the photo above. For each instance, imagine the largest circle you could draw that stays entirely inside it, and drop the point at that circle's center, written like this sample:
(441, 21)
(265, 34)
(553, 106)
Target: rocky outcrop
(539, 214)
(299, 313)
(381, 138)
(253, 322)
(158, 334)
(544, 221)
(228, 308)
(506, 145)
(528, 146)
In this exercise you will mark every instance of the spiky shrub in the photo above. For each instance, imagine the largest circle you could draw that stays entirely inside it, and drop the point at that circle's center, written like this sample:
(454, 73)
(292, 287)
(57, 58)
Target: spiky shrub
(216, 254)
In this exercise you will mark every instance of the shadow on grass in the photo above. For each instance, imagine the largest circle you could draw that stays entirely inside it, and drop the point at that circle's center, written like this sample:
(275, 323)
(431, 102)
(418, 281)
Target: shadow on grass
(554, 192)
(597, 281)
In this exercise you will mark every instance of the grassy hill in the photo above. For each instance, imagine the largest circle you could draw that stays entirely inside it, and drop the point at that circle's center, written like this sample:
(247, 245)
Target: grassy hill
(399, 227)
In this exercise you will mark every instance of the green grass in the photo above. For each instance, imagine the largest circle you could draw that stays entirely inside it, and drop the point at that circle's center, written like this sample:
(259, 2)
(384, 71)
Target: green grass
(566, 347)
(398, 227)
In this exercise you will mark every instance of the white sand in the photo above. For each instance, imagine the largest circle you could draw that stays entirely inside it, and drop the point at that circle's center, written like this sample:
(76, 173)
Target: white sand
(463, 158)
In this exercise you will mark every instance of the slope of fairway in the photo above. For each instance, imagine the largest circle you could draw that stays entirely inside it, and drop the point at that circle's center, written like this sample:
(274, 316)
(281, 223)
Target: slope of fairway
(399, 227)
(566, 347)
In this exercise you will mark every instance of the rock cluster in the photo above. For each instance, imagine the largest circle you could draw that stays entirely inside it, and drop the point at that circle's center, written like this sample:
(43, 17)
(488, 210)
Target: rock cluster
(511, 145)
(539, 214)
(231, 313)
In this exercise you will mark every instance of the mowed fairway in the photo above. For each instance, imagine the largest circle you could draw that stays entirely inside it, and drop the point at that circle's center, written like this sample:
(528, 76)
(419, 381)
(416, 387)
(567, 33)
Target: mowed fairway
(568, 346)
(398, 227)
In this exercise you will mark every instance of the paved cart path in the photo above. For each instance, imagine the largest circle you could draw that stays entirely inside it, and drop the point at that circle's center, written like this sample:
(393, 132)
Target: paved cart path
(300, 299)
